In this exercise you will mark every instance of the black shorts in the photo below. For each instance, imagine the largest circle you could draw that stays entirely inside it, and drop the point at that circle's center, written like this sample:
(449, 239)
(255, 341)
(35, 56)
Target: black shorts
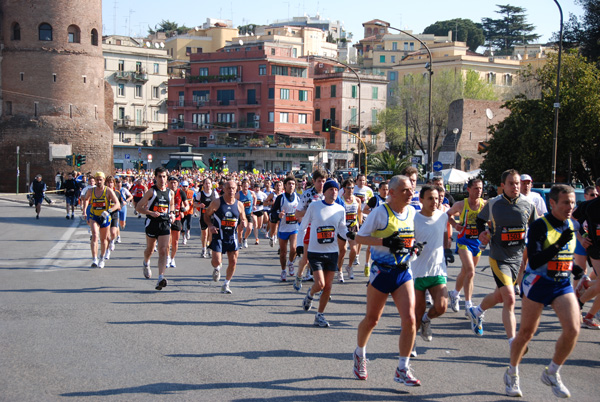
(176, 225)
(114, 219)
(258, 213)
(137, 199)
(203, 225)
(323, 261)
(156, 228)
(219, 246)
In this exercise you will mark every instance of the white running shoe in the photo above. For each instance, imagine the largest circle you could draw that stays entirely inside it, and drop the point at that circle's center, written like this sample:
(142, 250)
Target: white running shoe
(340, 277)
(297, 283)
(426, 333)
(203, 255)
(271, 242)
(188, 235)
(172, 265)
(147, 271)
(107, 254)
(119, 239)
(307, 302)
(290, 266)
(225, 289)
(245, 244)
(360, 367)
(356, 261)
(454, 300)
(553, 380)
(217, 274)
(111, 246)
(184, 240)
(320, 321)
(406, 377)
(95, 263)
(512, 385)
(101, 263)
(168, 261)
(350, 271)
(283, 275)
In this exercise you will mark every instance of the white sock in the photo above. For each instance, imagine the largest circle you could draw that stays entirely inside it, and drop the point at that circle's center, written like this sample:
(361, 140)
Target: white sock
(403, 362)
(478, 311)
(513, 370)
(227, 282)
(553, 368)
(361, 352)
(468, 303)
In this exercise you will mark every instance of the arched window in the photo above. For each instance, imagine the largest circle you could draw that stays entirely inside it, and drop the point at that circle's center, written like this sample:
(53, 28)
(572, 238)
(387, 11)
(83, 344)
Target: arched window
(369, 31)
(45, 32)
(74, 34)
(16, 31)
(94, 37)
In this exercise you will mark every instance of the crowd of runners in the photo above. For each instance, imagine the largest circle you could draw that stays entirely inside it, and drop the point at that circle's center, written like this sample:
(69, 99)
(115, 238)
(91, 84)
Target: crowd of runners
(542, 258)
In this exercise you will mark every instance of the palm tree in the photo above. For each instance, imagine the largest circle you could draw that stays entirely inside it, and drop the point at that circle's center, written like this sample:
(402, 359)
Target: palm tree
(386, 161)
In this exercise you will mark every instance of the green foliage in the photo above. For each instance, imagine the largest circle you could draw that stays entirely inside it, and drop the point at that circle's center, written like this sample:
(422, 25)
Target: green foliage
(247, 29)
(169, 28)
(584, 32)
(504, 33)
(388, 161)
(464, 30)
(476, 88)
(524, 139)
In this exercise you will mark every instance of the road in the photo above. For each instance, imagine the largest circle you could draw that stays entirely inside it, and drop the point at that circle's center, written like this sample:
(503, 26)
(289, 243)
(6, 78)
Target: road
(69, 332)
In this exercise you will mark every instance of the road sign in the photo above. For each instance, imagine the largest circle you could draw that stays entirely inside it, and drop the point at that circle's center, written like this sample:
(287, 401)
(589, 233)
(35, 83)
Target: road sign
(149, 157)
(438, 166)
(385, 172)
(127, 156)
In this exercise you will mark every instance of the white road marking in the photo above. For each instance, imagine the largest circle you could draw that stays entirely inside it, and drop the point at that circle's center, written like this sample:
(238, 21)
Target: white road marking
(50, 258)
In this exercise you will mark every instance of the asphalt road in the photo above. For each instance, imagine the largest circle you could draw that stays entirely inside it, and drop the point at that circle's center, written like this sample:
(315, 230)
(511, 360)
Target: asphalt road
(68, 332)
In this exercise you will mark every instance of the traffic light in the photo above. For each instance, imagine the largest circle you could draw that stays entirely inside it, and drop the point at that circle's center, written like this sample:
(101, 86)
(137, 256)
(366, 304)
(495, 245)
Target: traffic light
(80, 160)
(327, 125)
(210, 164)
(218, 164)
(70, 160)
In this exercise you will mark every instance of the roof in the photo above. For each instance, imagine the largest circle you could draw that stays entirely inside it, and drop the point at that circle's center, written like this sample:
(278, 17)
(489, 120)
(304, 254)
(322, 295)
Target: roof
(387, 24)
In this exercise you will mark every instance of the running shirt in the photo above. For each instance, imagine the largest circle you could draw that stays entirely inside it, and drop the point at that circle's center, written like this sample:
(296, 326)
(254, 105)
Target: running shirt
(383, 222)
(247, 200)
(125, 194)
(138, 190)
(365, 193)
(416, 203)
(324, 223)
(467, 218)
(309, 196)
(351, 213)
(99, 204)
(509, 220)
(289, 223)
(226, 218)
(430, 229)
(267, 208)
(375, 201)
(189, 195)
(180, 198)
(160, 202)
(203, 198)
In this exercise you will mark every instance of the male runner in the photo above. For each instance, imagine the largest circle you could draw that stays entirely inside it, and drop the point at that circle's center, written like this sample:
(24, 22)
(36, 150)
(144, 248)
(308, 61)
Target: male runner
(38, 188)
(186, 218)
(258, 211)
(223, 216)
(467, 241)
(127, 198)
(202, 200)
(364, 194)
(413, 174)
(180, 205)
(550, 245)
(373, 203)
(533, 197)
(353, 207)
(248, 199)
(284, 210)
(70, 187)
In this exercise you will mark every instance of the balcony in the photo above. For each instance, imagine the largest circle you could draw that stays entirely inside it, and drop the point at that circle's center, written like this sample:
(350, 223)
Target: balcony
(135, 76)
(131, 124)
(139, 76)
(122, 75)
(204, 79)
(189, 126)
(201, 103)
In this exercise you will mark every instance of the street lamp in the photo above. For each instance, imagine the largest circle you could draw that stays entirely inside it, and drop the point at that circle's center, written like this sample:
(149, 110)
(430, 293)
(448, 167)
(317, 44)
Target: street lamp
(557, 100)
(455, 132)
(429, 67)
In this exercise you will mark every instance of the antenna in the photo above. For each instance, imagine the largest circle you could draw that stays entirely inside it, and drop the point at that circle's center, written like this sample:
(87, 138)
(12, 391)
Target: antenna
(148, 44)
(241, 42)
(489, 113)
(157, 46)
(162, 45)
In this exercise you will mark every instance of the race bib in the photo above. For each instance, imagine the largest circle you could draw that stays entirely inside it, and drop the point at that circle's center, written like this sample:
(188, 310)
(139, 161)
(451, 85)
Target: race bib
(512, 236)
(290, 219)
(247, 204)
(228, 224)
(325, 234)
(99, 205)
(560, 268)
(471, 232)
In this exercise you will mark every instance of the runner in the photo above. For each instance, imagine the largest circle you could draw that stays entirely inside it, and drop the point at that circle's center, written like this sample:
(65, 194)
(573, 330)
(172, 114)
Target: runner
(158, 206)
(38, 188)
(180, 205)
(138, 190)
(325, 221)
(284, 210)
(113, 233)
(508, 216)
(248, 199)
(186, 219)
(546, 282)
(223, 216)
(364, 194)
(71, 187)
(413, 174)
(99, 200)
(353, 207)
(258, 209)
(127, 197)
(389, 229)
(273, 221)
(373, 203)
(202, 200)
(467, 242)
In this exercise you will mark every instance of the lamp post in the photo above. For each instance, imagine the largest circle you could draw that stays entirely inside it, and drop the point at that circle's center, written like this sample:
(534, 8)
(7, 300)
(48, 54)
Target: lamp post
(429, 67)
(557, 100)
(358, 79)
(455, 132)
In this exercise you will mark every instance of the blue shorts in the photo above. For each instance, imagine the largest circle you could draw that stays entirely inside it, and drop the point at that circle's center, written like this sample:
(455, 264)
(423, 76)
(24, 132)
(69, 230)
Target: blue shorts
(71, 200)
(88, 212)
(542, 290)
(101, 220)
(471, 245)
(388, 280)
(579, 249)
(219, 246)
(286, 235)
(38, 200)
(123, 213)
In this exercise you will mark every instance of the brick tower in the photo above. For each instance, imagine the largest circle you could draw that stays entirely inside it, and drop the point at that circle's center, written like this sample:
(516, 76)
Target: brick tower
(53, 99)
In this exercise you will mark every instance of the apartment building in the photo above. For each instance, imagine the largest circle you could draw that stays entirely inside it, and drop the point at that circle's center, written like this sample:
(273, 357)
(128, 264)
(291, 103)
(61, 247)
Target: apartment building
(137, 73)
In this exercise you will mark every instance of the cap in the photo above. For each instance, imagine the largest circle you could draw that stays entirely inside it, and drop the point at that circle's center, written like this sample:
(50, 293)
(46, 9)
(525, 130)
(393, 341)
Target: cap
(185, 183)
(99, 174)
(329, 184)
(172, 178)
(525, 177)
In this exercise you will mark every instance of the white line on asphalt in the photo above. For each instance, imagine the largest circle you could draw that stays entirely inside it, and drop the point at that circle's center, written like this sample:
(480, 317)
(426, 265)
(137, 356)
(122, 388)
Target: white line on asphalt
(50, 257)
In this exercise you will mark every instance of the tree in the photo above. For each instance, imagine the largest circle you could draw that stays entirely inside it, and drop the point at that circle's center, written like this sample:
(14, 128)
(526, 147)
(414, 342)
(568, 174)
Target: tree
(388, 161)
(249, 29)
(504, 33)
(524, 140)
(169, 28)
(584, 33)
(464, 30)
(392, 122)
(476, 88)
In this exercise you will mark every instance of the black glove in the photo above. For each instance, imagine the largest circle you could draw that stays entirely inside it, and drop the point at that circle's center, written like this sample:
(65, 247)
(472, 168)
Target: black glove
(448, 256)
(394, 243)
(564, 238)
(418, 248)
(577, 272)
(350, 235)
(300, 250)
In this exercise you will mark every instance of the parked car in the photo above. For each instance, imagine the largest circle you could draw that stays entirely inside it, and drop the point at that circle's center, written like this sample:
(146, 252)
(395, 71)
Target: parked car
(343, 174)
(545, 192)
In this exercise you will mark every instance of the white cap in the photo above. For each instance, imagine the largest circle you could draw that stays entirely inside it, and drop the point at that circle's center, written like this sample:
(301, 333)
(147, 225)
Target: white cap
(525, 177)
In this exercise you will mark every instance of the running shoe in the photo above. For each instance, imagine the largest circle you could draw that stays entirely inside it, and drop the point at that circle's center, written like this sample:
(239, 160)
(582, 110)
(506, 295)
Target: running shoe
(147, 271)
(67, 216)
(367, 270)
(184, 240)
(340, 277)
(95, 263)
(72, 216)
(426, 333)
(111, 246)
(406, 377)
(553, 380)
(155, 248)
(188, 235)
(107, 254)
(428, 299)
(37, 216)
(101, 263)
(356, 262)
(590, 323)
(245, 243)
(256, 242)
(290, 266)
(283, 275)
(203, 253)
(413, 352)
(162, 283)
(172, 265)
(271, 242)
(350, 271)
(320, 321)
(476, 322)
(307, 302)
(360, 367)
(307, 275)
(512, 384)
(297, 284)
(217, 274)
(454, 300)
(168, 261)
(119, 239)
(225, 289)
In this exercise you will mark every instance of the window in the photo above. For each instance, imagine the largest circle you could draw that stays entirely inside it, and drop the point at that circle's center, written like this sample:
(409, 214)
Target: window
(382, 58)
(508, 80)
(156, 68)
(297, 72)
(120, 89)
(279, 70)
(202, 142)
(121, 66)
(8, 108)
(491, 78)
(22, 76)
(394, 45)
(271, 117)
(405, 45)
(230, 70)
(74, 34)
(138, 117)
(200, 96)
(317, 92)
(271, 93)
(333, 91)
(283, 117)
(294, 52)
(138, 67)
(317, 115)
(332, 137)
(181, 97)
(138, 91)
(375, 92)
(354, 91)
(188, 50)
(302, 95)
(225, 96)
(45, 32)
(353, 116)
(332, 115)
(284, 93)
(201, 119)
(393, 60)
(121, 136)
(36, 106)
(54, 77)
(373, 116)
(412, 46)
(226, 117)
(203, 72)
(121, 113)
(156, 114)
(302, 118)
(262, 69)
(198, 50)
(94, 37)
(181, 140)
(393, 76)
(16, 31)
(272, 49)
(374, 139)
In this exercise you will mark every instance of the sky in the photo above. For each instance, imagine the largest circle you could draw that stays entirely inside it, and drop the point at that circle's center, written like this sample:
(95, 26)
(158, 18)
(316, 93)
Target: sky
(132, 17)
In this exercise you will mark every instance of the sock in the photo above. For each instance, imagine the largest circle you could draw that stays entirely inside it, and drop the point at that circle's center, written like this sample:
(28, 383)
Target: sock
(478, 311)
(425, 318)
(361, 352)
(510, 341)
(553, 368)
(161, 277)
(227, 282)
(589, 316)
(403, 362)
(513, 370)
(308, 294)
(468, 303)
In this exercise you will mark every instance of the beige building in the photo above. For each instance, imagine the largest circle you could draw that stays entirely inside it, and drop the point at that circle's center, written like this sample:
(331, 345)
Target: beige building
(137, 72)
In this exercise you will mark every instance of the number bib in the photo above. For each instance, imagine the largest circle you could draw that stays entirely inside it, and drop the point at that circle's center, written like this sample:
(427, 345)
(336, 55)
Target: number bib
(290, 219)
(325, 234)
(512, 236)
(471, 232)
(558, 268)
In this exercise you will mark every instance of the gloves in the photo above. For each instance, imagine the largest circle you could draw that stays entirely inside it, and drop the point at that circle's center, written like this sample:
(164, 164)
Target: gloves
(418, 248)
(577, 272)
(105, 214)
(350, 235)
(564, 238)
(448, 256)
(394, 243)
(300, 250)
